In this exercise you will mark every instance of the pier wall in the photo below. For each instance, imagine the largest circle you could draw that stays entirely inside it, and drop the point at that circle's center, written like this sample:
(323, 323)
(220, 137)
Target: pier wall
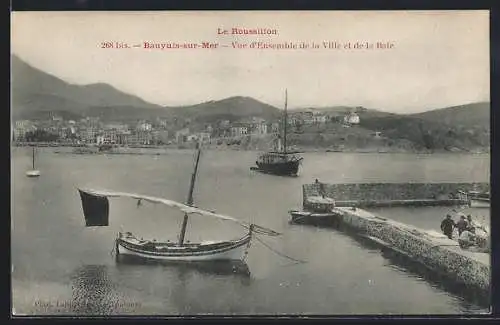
(387, 194)
(440, 255)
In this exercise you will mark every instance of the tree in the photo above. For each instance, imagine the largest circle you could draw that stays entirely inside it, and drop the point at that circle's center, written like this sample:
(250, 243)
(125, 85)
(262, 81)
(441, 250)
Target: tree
(41, 136)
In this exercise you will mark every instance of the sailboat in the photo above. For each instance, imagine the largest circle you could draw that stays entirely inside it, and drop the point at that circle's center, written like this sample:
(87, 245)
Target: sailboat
(281, 162)
(95, 206)
(33, 172)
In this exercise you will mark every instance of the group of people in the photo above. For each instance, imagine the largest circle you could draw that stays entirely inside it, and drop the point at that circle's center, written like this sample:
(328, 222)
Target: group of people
(466, 228)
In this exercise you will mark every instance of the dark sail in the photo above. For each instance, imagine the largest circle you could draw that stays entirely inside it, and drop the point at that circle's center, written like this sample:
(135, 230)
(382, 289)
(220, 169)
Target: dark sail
(95, 209)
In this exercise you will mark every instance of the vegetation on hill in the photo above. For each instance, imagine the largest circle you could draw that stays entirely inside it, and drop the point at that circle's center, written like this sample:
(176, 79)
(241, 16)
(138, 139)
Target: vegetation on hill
(37, 95)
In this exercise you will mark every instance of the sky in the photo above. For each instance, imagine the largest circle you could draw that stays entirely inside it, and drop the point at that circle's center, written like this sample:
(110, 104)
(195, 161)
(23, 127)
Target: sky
(438, 58)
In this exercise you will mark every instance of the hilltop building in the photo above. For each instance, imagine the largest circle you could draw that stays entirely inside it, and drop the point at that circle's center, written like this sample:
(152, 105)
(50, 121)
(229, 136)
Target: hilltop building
(351, 118)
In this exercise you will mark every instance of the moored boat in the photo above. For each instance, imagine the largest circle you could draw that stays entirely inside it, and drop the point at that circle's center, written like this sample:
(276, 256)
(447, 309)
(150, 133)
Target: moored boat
(95, 206)
(128, 244)
(280, 162)
(33, 172)
(315, 218)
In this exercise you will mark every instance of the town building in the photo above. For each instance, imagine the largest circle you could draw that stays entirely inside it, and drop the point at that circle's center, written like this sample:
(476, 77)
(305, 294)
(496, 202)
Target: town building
(160, 137)
(144, 126)
(275, 127)
(239, 130)
(224, 123)
(123, 137)
(181, 135)
(21, 128)
(351, 118)
(89, 134)
(319, 118)
(259, 128)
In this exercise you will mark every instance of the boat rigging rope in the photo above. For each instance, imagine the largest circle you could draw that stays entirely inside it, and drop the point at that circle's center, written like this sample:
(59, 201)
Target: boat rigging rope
(112, 253)
(278, 253)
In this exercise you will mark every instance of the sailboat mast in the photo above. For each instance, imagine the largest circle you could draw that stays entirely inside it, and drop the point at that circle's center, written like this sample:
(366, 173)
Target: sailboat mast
(286, 121)
(33, 158)
(190, 196)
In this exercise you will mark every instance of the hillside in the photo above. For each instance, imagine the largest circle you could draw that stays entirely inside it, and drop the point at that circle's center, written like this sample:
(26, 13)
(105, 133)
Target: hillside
(469, 115)
(461, 128)
(232, 109)
(35, 93)
(464, 128)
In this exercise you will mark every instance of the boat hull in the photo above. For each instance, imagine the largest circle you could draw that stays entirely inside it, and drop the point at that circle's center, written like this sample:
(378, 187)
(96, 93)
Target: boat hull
(326, 219)
(219, 251)
(287, 168)
(33, 173)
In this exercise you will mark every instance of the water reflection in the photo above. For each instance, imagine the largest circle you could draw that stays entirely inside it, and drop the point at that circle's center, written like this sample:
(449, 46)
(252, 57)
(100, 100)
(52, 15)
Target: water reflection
(93, 292)
(183, 288)
(219, 268)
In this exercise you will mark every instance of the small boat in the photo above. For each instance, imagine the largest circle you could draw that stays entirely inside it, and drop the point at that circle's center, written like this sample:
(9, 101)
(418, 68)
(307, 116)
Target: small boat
(33, 172)
(315, 218)
(96, 211)
(475, 199)
(280, 162)
(105, 147)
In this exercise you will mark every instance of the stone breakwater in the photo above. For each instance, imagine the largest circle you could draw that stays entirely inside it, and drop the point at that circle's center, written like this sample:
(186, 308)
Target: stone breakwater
(391, 194)
(436, 252)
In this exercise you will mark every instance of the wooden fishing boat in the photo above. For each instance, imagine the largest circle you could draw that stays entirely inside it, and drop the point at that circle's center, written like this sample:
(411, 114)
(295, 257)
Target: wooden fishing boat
(96, 211)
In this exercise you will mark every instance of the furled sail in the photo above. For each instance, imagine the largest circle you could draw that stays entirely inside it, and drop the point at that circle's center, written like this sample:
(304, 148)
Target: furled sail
(96, 208)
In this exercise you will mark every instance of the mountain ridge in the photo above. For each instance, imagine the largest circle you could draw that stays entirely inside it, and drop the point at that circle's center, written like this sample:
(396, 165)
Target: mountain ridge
(36, 95)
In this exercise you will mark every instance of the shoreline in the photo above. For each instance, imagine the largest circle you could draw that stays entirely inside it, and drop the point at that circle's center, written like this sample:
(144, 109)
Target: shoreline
(140, 149)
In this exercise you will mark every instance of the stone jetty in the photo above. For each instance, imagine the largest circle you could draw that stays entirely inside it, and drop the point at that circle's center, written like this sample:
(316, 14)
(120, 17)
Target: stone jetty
(428, 247)
(432, 249)
(392, 194)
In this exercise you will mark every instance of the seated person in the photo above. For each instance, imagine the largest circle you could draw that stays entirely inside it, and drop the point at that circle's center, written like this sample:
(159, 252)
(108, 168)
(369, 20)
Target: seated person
(482, 240)
(467, 238)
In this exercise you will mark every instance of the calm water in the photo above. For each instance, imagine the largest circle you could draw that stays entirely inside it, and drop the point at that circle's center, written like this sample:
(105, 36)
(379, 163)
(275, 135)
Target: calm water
(61, 267)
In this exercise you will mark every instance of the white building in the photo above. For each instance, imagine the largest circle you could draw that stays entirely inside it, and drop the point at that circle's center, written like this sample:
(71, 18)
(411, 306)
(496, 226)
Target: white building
(203, 137)
(144, 126)
(319, 118)
(90, 134)
(260, 128)
(21, 128)
(351, 118)
(238, 131)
